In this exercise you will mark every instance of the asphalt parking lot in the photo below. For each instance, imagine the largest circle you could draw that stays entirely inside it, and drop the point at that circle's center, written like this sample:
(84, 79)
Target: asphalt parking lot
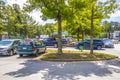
(16, 68)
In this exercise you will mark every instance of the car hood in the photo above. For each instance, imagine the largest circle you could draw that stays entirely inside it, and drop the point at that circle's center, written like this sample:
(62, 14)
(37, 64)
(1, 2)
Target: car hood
(4, 47)
(79, 43)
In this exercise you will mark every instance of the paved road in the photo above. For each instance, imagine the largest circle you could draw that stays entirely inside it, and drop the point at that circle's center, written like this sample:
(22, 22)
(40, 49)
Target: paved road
(15, 68)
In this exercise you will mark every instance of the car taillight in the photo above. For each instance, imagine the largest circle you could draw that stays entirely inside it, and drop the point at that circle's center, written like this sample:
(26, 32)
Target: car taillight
(33, 48)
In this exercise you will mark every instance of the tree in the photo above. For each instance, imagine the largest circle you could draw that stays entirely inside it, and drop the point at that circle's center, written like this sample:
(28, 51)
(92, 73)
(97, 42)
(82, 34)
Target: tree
(48, 29)
(99, 10)
(110, 27)
(79, 24)
(17, 22)
(2, 20)
(52, 9)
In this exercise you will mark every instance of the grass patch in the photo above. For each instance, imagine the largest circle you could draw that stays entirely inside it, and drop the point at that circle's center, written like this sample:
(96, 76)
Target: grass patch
(75, 55)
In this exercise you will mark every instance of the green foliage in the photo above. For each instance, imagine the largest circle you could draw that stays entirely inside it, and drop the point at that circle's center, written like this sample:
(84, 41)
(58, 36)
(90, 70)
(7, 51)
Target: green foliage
(2, 6)
(48, 29)
(16, 21)
(109, 27)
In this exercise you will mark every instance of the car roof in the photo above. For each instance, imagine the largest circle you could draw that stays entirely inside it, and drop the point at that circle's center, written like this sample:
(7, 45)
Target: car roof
(10, 39)
(93, 39)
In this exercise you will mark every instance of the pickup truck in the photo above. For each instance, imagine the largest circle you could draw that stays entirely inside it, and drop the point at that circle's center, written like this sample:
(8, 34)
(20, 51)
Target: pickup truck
(97, 43)
(53, 42)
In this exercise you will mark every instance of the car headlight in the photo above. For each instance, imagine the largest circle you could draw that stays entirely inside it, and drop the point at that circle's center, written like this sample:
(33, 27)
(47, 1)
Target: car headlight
(5, 49)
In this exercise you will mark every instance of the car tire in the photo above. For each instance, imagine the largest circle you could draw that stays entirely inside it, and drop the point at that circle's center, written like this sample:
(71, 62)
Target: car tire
(14, 52)
(20, 55)
(55, 45)
(99, 47)
(37, 53)
(11, 52)
(44, 50)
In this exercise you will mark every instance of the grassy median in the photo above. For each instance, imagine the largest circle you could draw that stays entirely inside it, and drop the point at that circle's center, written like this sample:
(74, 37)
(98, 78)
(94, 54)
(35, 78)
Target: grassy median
(74, 55)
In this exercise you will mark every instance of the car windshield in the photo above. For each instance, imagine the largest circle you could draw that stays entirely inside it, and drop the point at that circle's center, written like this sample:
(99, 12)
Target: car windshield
(64, 40)
(47, 39)
(5, 43)
(25, 43)
(108, 41)
(87, 40)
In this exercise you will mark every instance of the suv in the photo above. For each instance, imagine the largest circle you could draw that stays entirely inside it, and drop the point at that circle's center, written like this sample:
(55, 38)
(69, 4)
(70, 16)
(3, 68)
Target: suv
(53, 42)
(98, 44)
(8, 47)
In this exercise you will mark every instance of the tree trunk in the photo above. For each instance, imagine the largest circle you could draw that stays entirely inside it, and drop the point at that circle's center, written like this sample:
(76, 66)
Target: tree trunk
(92, 31)
(25, 29)
(78, 34)
(83, 35)
(20, 32)
(59, 33)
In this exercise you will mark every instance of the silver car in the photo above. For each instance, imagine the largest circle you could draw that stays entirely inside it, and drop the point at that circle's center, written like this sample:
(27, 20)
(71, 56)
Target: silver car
(8, 47)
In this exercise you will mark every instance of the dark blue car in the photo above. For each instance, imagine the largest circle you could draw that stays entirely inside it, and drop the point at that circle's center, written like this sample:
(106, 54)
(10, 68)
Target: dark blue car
(53, 42)
(50, 42)
(98, 44)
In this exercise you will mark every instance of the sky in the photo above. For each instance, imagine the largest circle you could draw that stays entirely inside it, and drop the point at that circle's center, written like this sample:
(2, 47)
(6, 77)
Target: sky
(36, 14)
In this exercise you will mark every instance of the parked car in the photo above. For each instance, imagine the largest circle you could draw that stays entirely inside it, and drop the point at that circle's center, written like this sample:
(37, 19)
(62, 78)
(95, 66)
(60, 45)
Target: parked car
(64, 41)
(97, 43)
(30, 47)
(8, 47)
(108, 43)
(53, 42)
(115, 41)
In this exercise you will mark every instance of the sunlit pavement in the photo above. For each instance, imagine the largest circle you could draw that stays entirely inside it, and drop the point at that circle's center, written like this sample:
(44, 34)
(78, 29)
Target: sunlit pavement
(16, 68)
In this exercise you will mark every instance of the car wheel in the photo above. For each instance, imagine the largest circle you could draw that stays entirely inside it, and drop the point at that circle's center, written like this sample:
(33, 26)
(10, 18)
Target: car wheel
(37, 53)
(99, 47)
(11, 52)
(44, 50)
(14, 52)
(20, 55)
(55, 45)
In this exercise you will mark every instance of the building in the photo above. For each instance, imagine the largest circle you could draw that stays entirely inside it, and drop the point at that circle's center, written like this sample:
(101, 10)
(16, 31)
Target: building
(116, 35)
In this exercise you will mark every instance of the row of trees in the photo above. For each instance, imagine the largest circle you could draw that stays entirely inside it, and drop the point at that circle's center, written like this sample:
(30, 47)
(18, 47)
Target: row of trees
(75, 16)
(110, 27)
(81, 16)
(18, 22)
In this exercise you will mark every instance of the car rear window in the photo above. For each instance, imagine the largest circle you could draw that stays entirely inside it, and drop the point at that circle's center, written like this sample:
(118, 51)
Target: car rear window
(25, 43)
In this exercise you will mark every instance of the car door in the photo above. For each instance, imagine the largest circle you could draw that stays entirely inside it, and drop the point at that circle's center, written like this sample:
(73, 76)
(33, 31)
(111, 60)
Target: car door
(87, 44)
(43, 47)
(48, 42)
(51, 41)
(15, 44)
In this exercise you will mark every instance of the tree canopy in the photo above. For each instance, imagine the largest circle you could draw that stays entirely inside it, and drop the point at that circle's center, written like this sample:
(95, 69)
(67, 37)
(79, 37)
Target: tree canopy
(80, 18)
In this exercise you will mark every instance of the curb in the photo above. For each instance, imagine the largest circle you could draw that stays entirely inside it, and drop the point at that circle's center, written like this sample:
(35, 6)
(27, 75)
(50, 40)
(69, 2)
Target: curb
(72, 60)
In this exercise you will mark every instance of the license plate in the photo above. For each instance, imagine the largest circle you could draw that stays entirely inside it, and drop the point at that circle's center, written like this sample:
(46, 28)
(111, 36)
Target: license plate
(24, 48)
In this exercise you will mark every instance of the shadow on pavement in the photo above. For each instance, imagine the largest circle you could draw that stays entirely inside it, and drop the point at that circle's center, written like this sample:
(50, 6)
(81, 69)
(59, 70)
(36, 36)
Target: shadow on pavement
(66, 70)
(5, 56)
(31, 56)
